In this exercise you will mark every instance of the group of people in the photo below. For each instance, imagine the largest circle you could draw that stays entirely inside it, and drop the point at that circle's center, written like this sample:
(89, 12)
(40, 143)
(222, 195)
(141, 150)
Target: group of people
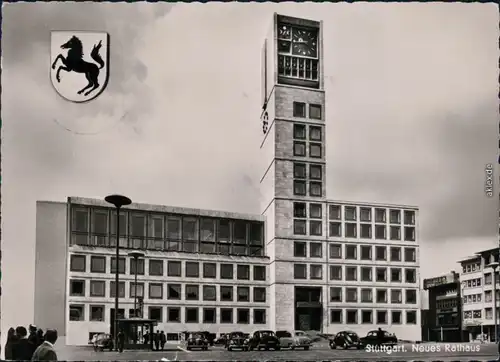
(33, 346)
(159, 340)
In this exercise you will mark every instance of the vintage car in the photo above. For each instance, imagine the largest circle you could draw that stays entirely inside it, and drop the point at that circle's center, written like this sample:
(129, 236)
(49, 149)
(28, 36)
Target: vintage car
(237, 340)
(197, 340)
(346, 340)
(264, 339)
(103, 342)
(372, 338)
(298, 339)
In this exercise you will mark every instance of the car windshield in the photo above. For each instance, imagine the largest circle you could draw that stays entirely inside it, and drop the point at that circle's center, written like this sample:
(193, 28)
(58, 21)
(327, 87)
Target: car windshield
(283, 334)
(236, 334)
(196, 335)
(267, 334)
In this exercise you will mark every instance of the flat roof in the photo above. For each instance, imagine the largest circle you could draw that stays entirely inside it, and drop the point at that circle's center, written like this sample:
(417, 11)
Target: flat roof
(374, 204)
(168, 209)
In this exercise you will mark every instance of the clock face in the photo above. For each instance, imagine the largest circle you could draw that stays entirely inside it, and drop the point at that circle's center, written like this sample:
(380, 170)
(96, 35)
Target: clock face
(305, 42)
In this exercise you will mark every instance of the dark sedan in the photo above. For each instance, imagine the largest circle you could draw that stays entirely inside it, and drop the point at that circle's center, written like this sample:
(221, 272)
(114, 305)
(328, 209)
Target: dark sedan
(346, 340)
(197, 341)
(237, 340)
(379, 337)
(264, 339)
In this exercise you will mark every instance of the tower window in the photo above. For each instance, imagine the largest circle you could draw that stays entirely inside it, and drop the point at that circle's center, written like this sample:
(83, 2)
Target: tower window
(299, 188)
(299, 170)
(315, 111)
(299, 109)
(315, 150)
(315, 189)
(299, 149)
(315, 133)
(315, 172)
(299, 131)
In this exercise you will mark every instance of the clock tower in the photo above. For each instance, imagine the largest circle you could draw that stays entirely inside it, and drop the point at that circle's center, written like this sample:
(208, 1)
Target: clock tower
(293, 174)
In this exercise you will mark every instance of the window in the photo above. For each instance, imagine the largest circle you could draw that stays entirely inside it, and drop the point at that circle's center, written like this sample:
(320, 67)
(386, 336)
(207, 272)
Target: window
(192, 269)
(380, 253)
(191, 315)
(395, 216)
(366, 252)
(156, 313)
(209, 315)
(299, 209)
(76, 312)
(366, 317)
(351, 252)
(335, 272)
(226, 271)
(334, 212)
(409, 217)
(410, 255)
(259, 294)
(396, 296)
(366, 274)
(315, 172)
(140, 290)
(335, 251)
(299, 271)
(395, 233)
(396, 317)
(315, 150)
(77, 263)
(350, 213)
(207, 230)
(173, 314)
(409, 233)
(299, 227)
(366, 231)
(174, 291)
(138, 226)
(140, 266)
(365, 214)
(350, 230)
(411, 296)
(315, 228)
(316, 271)
(299, 188)
(121, 265)
(226, 293)
(98, 264)
(97, 288)
(209, 270)
(156, 267)
(299, 110)
(226, 315)
(380, 215)
(395, 254)
(410, 275)
(411, 317)
(240, 232)
(80, 220)
(299, 170)
(77, 288)
(336, 316)
(314, 111)
(259, 316)
(315, 250)
(381, 317)
(315, 211)
(366, 296)
(352, 317)
(380, 232)
(224, 231)
(156, 226)
(174, 268)
(381, 274)
(299, 249)
(121, 289)
(351, 295)
(396, 275)
(335, 229)
(259, 272)
(97, 313)
(351, 273)
(243, 272)
(189, 228)
(315, 189)
(155, 291)
(209, 292)
(192, 292)
(336, 294)
(381, 296)
(173, 228)
(299, 149)
(243, 316)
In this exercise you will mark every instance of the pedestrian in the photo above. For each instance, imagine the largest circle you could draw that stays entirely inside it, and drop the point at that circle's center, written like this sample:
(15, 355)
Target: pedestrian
(32, 335)
(146, 337)
(121, 340)
(11, 341)
(380, 336)
(163, 340)
(157, 340)
(39, 337)
(23, 349)
(46, 351)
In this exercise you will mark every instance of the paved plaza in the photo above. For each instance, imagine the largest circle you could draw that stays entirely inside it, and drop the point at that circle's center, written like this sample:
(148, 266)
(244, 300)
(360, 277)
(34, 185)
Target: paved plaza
(407, 352)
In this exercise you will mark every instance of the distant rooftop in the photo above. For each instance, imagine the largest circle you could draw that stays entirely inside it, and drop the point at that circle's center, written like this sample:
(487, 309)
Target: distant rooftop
(374, 204)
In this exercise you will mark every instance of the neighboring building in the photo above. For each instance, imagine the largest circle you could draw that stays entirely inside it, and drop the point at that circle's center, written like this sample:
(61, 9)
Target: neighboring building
(443, 318)
(316, 265)
(477, 290)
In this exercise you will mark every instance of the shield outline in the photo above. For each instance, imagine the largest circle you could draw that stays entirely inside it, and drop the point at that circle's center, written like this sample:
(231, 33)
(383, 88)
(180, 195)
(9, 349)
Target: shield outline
(106, 59)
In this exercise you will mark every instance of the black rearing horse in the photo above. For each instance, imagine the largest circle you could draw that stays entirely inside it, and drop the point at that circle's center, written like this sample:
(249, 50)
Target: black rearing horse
(74, 63)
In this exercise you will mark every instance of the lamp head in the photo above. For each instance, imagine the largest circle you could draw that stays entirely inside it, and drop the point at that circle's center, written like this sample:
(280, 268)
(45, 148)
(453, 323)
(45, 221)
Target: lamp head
(118, 200)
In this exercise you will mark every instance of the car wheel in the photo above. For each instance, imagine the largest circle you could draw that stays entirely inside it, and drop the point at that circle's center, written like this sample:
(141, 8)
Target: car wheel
(277, 348)
(229, 349)
(292, 347)
(345, 346)
(306, 348)
(332, 346)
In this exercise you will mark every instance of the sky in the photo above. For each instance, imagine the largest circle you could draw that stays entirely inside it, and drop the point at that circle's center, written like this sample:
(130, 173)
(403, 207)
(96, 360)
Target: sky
(411, 115)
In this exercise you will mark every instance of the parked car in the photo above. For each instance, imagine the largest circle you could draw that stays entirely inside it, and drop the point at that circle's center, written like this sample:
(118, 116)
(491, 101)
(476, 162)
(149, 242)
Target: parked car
(297, 339)
(346, 340)
(264, 339)
(103, 342)
(372, 338)
(222, 340)
(237, 340)
(197, 341)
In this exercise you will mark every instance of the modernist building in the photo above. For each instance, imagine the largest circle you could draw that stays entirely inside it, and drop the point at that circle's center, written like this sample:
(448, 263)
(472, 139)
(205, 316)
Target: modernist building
(476, 280)
(306, 263)
(443, 319)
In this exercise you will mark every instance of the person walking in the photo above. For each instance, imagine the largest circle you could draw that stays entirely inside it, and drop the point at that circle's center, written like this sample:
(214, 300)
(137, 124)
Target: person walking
(23, 349)
(121, 340)
(163, 340)
(11, 341)
(46, 351)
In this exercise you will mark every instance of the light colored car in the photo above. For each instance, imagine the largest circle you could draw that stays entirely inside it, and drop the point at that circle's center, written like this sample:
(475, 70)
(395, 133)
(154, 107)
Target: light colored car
(297, 339)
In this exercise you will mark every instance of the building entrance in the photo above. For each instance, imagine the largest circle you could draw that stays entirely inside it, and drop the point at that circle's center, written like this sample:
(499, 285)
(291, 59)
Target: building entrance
(308, 309)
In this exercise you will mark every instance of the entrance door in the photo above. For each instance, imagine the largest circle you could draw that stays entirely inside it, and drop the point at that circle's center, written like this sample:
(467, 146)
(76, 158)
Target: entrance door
(308, 309)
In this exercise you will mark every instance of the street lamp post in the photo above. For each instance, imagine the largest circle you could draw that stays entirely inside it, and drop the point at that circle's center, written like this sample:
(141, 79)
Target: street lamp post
(494, 266)
(136, 255)
(118, 201)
